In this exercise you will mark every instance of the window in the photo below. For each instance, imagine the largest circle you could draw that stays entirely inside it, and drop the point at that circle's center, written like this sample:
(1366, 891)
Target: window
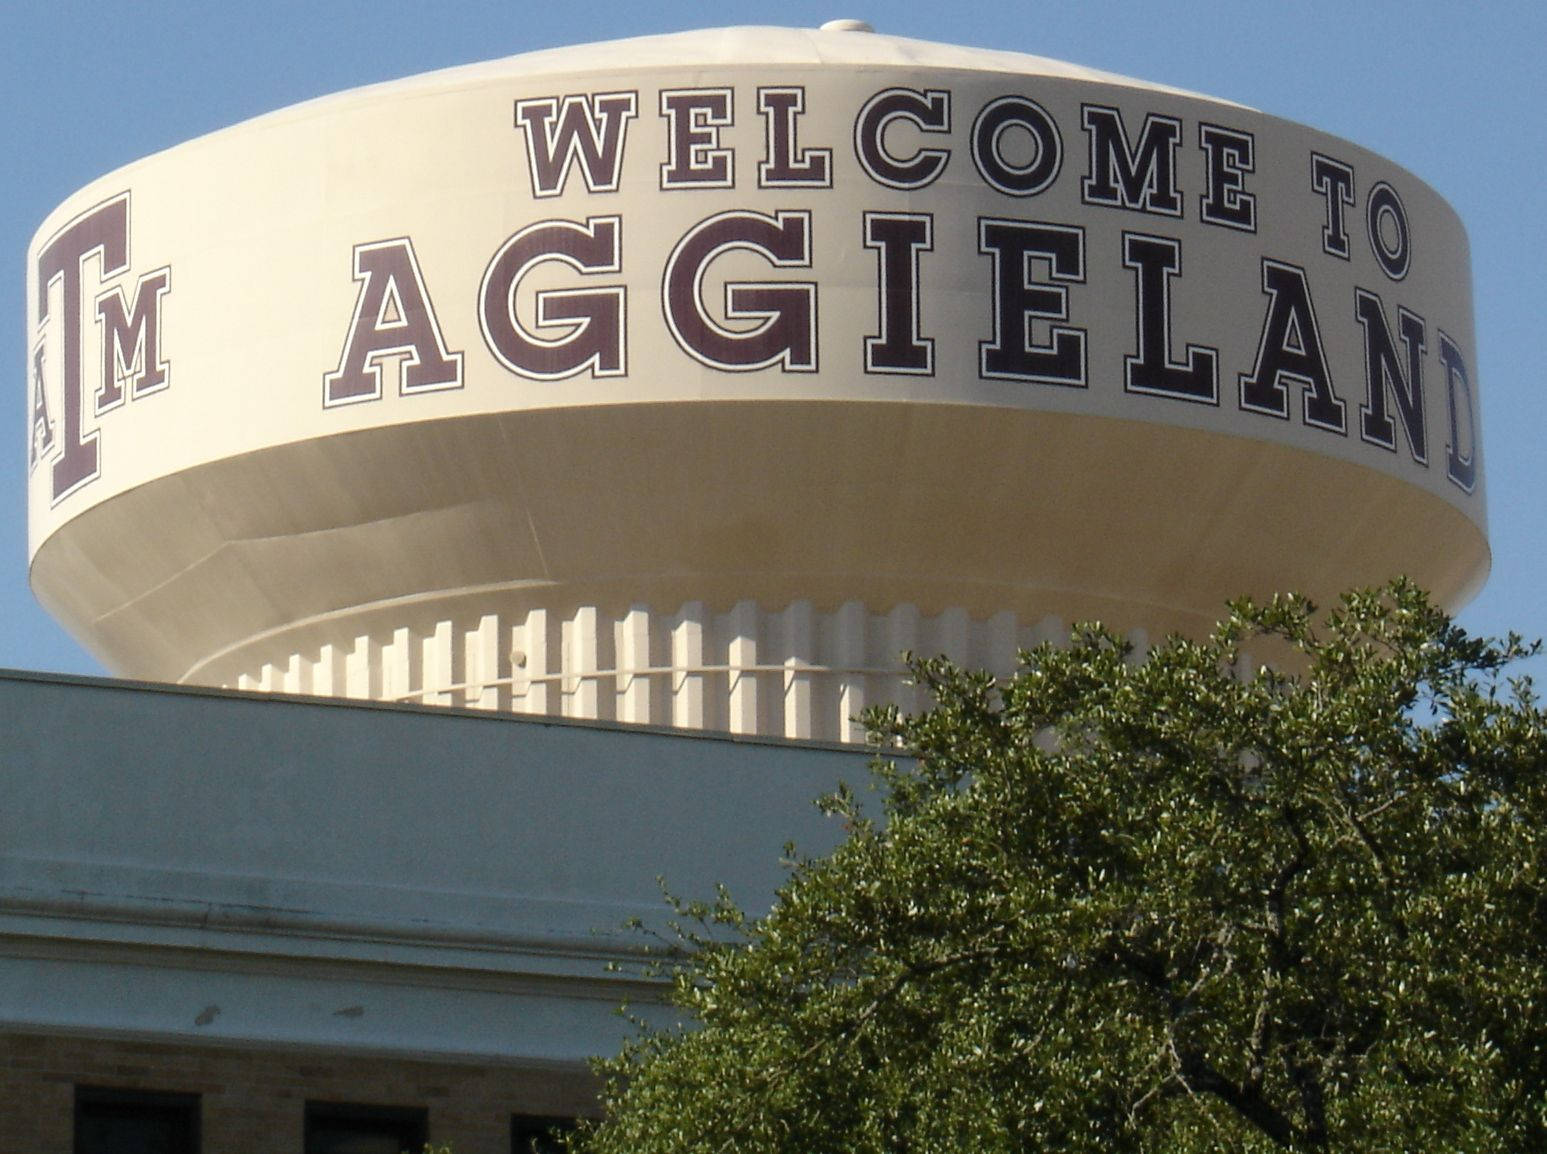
(340, 1128)
(535, 1133)
(109, 1121)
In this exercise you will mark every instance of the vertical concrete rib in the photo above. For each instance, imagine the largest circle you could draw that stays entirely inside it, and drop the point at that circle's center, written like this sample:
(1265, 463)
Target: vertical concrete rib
(797, 643)
(687, 659)
(849, 657)
(632, 645)
(741, 655)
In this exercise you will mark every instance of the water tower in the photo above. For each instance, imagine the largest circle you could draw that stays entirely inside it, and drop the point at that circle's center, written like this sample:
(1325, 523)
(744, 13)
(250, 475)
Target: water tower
(687, 380)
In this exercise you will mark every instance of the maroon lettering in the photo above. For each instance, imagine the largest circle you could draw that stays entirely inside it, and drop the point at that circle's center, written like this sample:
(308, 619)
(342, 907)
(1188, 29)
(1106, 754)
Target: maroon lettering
(393, 318)
(1155, 261)
(898, 238)
(1383, 374)
(1230, 157)
(786, 164)
(1019, 300)
(1290, 352)
(1390, 238)
(41, 442)
(694, 117)
(131, 340)
(1460, 463)
(1335, 181)
(1140, 177)
(588, 324)
(102, 231)
(929, 111)
(785, 333)
(590, 128)
(998, 165)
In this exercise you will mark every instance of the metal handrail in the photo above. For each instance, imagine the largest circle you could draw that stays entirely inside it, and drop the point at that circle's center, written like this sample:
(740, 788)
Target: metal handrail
(793, 666)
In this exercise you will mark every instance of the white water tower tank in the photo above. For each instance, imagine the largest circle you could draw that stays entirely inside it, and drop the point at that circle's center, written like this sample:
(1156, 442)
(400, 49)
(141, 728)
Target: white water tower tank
(689, 379)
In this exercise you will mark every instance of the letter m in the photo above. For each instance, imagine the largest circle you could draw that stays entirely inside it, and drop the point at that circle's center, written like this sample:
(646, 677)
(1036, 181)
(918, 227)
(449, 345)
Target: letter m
(589, 127)
(1141, 177)
(131, 340)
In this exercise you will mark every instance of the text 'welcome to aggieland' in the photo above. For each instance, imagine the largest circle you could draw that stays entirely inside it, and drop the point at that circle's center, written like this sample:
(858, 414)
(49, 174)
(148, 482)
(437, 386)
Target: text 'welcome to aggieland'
(904, 141)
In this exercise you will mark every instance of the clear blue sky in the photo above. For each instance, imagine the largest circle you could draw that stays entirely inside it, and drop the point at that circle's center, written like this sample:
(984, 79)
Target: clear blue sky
(1454, 92)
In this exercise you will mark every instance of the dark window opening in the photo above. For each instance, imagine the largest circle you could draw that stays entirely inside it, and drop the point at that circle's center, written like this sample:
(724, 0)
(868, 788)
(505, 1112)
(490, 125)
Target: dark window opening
(110, 1121)
(538, 1134)
(344, 1128)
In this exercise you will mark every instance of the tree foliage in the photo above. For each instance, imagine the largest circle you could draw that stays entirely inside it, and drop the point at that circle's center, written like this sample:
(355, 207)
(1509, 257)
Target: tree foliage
(1146, 905)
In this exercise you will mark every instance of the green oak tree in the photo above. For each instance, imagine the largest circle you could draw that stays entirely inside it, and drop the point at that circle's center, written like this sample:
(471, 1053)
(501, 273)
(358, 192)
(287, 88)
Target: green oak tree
(1161, 904)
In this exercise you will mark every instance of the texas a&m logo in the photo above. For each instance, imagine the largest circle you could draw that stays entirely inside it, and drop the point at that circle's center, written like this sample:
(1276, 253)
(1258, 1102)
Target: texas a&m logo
(98, 342)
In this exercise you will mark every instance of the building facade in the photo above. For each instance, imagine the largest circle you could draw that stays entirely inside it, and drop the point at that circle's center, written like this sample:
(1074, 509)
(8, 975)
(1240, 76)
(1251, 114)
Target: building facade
(263, 908)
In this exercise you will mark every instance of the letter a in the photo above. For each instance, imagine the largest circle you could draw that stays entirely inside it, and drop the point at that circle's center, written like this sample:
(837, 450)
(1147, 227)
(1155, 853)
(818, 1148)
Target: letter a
(393, 318)
(41, 443)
